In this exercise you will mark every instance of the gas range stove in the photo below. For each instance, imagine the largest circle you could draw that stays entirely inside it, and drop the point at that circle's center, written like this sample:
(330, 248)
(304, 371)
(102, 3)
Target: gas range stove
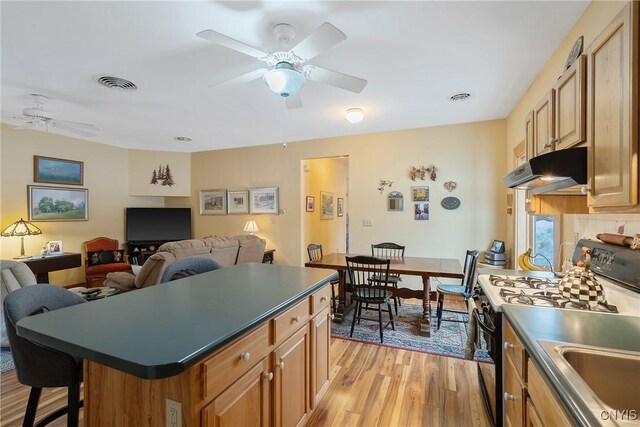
(616, 268)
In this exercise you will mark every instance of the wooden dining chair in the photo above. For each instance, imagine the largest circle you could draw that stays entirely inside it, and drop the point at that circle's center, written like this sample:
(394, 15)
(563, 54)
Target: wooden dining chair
(370, 287)
(315, 253)
(388, 250)
(463, 290)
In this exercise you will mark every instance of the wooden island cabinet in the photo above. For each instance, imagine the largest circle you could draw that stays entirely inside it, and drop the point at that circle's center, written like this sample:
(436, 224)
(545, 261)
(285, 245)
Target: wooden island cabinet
(273, 372)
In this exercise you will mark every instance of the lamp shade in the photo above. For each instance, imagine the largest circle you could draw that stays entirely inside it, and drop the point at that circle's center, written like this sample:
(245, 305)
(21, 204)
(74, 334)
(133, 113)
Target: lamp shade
(284, 80)
(251, 227)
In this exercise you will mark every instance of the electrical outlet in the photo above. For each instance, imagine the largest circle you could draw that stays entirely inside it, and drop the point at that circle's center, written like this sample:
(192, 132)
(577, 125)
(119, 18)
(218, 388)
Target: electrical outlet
(367, 222)
(174, 413)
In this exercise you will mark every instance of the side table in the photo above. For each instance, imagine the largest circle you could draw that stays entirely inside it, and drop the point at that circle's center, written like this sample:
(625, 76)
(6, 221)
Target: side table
(267, 258)
(41, 266)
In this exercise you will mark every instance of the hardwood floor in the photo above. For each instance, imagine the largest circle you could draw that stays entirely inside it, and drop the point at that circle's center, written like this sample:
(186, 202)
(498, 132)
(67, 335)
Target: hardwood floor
(371, 386)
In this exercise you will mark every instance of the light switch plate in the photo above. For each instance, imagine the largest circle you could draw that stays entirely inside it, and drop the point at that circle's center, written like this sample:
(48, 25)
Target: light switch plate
(367, 222)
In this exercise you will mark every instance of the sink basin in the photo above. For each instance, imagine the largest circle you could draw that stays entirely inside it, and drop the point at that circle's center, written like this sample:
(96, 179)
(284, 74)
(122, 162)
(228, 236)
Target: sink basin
(607, 380)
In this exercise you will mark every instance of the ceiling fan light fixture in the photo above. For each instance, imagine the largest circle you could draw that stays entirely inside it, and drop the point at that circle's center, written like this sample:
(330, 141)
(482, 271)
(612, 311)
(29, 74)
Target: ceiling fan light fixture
(284, 80)
(355, 115)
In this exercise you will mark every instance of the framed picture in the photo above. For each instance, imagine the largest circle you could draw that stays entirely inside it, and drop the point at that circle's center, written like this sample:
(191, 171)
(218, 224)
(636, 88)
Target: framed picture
(421, 211)
(311, 203)
(326, 205)
(213, 202)
(238, 202)
(57, 203)
(340, 206)
(54, 247)
(57, 171)
(263, 200)
(420, 194)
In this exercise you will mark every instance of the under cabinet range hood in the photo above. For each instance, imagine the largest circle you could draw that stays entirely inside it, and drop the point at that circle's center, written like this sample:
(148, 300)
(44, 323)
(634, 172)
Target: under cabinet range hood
(551, 171)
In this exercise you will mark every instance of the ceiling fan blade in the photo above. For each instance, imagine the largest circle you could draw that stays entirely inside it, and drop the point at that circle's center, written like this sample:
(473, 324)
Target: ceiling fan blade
(334, 78)
(293, 101)
(251, 75)
(60, 125)
(325, 36)
(86, 126)
(26, 126)
(233, 44)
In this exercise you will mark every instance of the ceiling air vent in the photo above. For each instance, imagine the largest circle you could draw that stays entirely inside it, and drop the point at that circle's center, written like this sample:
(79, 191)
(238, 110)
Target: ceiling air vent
(462, 96)
(116, 83)
(183, 139)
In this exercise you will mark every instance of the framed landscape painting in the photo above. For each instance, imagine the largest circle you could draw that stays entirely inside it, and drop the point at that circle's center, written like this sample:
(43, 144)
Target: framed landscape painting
(57, 203)
(238, 202)
(326, 205)
(57, 171)
(263, 200)
(213, 202)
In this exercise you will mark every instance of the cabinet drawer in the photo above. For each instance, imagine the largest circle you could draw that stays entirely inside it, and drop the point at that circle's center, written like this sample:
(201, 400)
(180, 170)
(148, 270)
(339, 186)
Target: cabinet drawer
(290, 321)
(233, 361)
(544, 400)
(514, 349)
(513, 395)
(320, 299)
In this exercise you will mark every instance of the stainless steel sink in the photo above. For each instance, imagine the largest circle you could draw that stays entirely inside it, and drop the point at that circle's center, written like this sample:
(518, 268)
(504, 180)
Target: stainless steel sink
(607, 380)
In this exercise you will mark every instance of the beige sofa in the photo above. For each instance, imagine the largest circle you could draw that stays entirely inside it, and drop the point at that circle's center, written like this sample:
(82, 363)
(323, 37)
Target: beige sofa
(226, 251)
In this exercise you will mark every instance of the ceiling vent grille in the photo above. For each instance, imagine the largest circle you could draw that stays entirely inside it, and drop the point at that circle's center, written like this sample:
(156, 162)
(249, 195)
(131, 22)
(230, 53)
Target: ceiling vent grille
(116, 83)
(462, 96)
(183, 139)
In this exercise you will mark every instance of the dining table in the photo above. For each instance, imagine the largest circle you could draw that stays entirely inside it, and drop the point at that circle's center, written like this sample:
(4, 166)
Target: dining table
(424, 267)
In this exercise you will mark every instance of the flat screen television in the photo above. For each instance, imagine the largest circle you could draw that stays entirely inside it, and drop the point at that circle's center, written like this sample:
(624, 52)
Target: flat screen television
(158, 224)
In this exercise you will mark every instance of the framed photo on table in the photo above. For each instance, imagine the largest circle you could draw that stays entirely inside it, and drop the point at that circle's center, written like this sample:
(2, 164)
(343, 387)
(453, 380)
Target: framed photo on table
(263, 200)
(50, 170)
(54, 247)
(57, 203)
(213, 202)
(237, 202)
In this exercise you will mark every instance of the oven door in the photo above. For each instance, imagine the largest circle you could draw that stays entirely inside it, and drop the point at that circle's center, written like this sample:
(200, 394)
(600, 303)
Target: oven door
(490, 378)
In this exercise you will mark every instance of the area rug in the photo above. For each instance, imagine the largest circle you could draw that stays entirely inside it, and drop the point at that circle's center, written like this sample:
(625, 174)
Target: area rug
(449, 340)
(6, 361)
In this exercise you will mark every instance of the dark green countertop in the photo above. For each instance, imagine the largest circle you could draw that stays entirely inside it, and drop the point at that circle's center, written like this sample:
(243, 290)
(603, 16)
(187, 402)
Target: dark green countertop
(613, 331)
(160, 331)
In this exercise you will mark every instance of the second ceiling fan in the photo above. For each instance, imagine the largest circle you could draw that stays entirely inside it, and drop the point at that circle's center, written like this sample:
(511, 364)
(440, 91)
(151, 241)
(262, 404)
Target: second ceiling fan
(288, 71)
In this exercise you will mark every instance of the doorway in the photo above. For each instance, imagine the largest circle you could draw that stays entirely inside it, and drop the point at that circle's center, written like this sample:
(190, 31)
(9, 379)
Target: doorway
(325, 210)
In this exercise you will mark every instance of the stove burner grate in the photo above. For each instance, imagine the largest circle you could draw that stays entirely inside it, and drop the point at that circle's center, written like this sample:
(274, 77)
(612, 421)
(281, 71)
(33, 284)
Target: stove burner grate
(522, 282)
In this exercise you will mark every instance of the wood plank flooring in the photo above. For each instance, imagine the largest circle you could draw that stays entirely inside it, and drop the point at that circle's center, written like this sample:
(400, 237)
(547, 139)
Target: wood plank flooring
(371, 386)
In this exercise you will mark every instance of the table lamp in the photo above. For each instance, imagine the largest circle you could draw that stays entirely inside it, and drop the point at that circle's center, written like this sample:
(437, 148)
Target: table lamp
(251, 227)
(20, 229)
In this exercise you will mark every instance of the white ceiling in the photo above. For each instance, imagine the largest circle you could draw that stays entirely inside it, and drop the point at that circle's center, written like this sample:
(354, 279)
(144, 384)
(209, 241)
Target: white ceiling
(415, 55)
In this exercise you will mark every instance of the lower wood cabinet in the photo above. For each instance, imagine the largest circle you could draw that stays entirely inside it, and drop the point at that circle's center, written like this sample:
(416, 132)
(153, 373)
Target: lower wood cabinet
(291, 380)
(246, 402)
(321, 336)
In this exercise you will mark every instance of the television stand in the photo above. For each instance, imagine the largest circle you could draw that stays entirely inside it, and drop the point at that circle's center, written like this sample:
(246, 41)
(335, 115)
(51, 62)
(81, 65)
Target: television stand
(139, 252)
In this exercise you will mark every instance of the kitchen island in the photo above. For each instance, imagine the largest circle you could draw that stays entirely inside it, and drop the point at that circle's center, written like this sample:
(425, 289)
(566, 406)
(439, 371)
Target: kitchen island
(534, 326)
(223, 347)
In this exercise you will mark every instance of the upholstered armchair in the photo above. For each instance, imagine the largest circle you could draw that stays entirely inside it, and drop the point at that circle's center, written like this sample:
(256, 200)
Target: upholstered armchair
(101, 256)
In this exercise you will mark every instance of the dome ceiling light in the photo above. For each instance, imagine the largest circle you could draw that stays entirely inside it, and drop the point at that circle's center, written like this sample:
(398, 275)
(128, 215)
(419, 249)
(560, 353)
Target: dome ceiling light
(284, 80)
(355, 115)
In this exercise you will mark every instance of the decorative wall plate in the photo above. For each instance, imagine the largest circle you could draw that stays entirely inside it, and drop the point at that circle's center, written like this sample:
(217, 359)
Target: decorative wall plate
(450, 186)
(450, 203)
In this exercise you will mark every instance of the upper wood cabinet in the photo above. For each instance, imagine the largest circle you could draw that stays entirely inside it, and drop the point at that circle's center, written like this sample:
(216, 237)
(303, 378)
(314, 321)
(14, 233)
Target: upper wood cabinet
(528, 136)
(544, 125)
(612, 113)
(570, 105)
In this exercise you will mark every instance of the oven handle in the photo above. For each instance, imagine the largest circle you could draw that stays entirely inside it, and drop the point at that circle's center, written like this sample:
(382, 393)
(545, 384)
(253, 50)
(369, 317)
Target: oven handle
(486, 328)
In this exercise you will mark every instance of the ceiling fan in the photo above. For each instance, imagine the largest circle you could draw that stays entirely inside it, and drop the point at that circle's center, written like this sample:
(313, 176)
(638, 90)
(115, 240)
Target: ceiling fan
(40, 119)
(288, 70)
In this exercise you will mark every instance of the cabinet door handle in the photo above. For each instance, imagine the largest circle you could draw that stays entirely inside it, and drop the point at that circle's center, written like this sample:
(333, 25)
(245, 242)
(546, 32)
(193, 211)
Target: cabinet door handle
(508, 397)
(295, 319)
(245, 356)
(281, 364)
(508, 346)
(268, 376)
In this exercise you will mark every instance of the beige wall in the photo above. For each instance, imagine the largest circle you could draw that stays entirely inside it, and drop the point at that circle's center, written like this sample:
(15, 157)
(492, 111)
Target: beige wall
(329, 175)
(597, 16)
(105, 176)
(469, 154)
